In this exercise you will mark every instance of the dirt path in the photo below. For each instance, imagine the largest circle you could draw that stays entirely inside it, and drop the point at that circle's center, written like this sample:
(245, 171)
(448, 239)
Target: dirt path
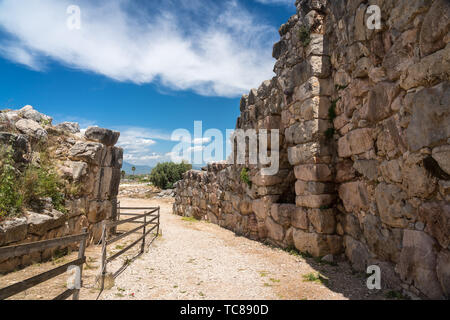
(199, 260)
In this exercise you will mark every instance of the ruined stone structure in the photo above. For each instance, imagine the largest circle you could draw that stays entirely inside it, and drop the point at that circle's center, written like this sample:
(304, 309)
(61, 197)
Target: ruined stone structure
(89, 165)
(364, 120)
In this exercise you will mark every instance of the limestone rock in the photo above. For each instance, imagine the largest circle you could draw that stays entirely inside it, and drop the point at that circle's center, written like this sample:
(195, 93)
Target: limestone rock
(442, 156)
(318, 245)
(368, 168)
(282, 213)
(72, 127)
(434, 27)
(87, 151)
(323, 220)
(431, 69)
(355, 142)
(104, 136)
(357, 253)
(28, 112)
(418, 263)
(392, 207)
(313, 172)
(32, 129)
(443, 271)
(13, 230)
(274, 230)
(430, 121)
(299, 219)
(436, 215)
(39, 224)
(354, 196)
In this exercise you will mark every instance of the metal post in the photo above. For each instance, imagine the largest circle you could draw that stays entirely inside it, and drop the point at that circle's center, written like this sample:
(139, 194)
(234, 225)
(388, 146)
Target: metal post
(81, 252)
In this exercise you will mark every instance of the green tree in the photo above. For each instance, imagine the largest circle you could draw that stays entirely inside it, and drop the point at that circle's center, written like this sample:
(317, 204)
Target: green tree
(122, 174)
(164, 175)
(133, 169)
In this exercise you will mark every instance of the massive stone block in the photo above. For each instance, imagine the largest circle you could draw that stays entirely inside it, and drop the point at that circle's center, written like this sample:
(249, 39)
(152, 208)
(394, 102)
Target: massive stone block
(430, 121)
(318, 245)
(418, 263)
(355, 142)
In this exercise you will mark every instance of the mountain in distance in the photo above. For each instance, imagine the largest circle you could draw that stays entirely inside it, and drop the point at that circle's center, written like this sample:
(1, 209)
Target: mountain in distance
(139, 169)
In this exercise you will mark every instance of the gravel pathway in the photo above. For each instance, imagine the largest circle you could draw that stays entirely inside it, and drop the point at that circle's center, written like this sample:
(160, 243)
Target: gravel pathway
(199, 260)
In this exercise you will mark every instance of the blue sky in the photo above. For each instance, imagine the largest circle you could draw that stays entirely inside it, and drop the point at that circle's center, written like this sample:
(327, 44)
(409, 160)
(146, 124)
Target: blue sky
(141, 67)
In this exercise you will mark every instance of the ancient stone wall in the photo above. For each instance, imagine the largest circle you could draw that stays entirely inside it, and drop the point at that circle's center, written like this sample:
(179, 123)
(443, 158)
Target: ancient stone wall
(88, 165)
(364, 120)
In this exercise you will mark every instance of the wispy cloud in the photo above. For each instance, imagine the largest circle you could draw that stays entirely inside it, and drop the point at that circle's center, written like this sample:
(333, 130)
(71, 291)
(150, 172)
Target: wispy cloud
(213, 48)
(138, 144)
(277, 2)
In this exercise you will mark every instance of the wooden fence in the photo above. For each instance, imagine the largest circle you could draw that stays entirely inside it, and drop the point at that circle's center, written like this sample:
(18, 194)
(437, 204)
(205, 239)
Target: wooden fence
(151, 217)
(26, 249)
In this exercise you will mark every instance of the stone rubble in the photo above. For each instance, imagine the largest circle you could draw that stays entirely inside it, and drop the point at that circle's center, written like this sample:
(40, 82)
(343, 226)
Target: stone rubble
(89, 163)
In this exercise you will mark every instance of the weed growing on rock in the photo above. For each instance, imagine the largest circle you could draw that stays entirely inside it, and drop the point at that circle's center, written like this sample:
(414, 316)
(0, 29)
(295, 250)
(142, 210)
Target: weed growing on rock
(304, 34)
(245, 177)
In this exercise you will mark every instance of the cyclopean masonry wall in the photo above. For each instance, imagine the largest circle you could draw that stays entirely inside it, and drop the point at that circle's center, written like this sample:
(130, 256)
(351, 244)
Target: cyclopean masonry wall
(364, 120)
(89, 165)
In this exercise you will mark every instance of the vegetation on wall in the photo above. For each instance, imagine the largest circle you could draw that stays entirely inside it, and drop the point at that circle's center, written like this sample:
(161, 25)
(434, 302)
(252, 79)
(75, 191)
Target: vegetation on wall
(27, 189)
(245, 177)
(164, 175)
(10, 197)
(304, 35)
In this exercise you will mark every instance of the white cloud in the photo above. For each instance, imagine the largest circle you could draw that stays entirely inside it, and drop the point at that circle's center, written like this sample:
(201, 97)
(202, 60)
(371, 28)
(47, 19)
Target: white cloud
(211, 48)
(137, 144)
(277, 2)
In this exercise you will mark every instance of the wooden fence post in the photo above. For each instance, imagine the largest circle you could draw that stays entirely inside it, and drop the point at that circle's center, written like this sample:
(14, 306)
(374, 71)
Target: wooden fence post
(143, 238)
(103, 255)
(157, 228)
(81, 254)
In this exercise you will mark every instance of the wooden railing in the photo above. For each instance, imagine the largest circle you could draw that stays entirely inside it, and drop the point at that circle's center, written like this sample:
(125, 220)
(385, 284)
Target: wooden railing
(151, 217)
(29, 248)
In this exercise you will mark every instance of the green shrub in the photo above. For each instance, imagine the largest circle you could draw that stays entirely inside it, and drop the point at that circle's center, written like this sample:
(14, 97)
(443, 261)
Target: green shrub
(10, 198)
(245, 177)
(304, 35)
(42, 182)
(164, 175)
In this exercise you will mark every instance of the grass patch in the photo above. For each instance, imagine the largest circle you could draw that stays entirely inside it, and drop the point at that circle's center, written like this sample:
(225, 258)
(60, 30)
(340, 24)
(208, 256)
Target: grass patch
(190, 219)
(275, 280)
(294, 252)
(263, 274)
(396, 295)
(315, 277)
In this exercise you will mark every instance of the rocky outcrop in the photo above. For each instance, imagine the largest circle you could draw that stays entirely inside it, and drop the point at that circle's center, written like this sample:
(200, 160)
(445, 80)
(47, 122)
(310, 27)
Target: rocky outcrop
(89, 166)
(364, 142)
